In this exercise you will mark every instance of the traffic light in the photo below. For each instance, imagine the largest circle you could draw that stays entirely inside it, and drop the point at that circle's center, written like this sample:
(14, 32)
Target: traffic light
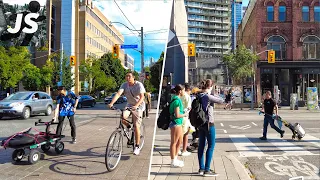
(147, 75)
(271, 56)
(191, 49)
(73, 60)
(115, 52)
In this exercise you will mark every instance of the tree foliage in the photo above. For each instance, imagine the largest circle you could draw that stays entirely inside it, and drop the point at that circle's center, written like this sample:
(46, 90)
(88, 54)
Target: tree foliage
(13, 61)
(32, 79)
(240, 64)
(155, 73)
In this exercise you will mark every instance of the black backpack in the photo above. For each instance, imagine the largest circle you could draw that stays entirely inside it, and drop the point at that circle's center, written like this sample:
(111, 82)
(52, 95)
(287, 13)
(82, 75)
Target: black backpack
(197, 115)
(165, 117)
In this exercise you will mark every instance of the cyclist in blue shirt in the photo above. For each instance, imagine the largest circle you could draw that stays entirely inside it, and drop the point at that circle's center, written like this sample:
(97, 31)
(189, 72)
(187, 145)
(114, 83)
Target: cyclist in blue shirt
(67, 102)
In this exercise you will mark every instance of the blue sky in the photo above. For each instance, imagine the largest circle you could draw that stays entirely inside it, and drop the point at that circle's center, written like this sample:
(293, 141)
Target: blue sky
(245, 2)
(153, 16)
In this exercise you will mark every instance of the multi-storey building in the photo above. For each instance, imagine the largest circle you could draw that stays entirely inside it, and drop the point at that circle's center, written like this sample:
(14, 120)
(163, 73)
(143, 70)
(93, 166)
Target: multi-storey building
(292, 29)
(129, 62)
(210, 29)
(96, 35)
(236, 16)
(176, 60)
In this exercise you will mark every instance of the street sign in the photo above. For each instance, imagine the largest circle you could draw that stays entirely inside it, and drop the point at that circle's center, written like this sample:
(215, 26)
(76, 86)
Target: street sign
(129, 46)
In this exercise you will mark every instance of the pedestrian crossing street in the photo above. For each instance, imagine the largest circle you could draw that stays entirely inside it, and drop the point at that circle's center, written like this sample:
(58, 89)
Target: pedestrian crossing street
(249, 146)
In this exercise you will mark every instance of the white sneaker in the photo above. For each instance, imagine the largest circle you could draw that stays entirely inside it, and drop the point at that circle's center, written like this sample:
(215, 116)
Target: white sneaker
(177, 164)
(186, 153)
(136, 151)
(179, 153)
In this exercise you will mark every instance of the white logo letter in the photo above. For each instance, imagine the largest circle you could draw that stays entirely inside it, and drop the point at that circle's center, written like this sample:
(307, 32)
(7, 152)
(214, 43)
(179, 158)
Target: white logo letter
(34, 25)
(17, 25)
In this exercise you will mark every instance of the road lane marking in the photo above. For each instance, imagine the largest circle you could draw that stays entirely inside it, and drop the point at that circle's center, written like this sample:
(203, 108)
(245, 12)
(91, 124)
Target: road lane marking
(225, 131)
(254, 123)
(311, 139)
(222, 124)
(102, 128)
(241, 128)
(245, 147)
(289, 148)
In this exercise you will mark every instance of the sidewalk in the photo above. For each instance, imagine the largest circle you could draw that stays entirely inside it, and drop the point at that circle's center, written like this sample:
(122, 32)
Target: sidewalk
(85, 159)
(227, 166)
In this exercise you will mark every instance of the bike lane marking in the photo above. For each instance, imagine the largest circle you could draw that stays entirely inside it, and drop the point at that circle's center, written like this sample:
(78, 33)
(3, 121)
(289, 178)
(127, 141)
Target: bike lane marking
(288, 147)
(245, 147)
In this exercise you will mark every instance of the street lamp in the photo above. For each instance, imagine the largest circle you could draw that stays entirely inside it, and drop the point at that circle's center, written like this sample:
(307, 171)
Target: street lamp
(142, 48)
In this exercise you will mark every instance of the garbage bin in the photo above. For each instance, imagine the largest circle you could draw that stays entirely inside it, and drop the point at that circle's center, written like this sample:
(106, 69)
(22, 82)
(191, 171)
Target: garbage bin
(293, 101)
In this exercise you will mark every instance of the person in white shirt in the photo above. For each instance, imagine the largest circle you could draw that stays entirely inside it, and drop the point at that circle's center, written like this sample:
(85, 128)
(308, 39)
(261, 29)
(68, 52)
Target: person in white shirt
(186, 126)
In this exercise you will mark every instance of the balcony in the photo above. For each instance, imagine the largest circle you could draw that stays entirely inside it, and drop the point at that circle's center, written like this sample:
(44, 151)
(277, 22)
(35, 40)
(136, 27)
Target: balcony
(220, 2)
(208, 39)
(206, 26)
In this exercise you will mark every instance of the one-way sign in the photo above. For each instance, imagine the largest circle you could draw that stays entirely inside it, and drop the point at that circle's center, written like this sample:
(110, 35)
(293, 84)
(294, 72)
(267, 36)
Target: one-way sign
(129, 46)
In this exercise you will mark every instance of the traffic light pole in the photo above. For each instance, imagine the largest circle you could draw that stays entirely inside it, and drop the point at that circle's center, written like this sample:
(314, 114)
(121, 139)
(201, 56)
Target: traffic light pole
(142, 52)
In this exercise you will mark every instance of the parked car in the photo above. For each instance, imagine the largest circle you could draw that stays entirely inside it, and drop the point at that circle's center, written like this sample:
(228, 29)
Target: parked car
(25, 104)
(121, 99)
(86, 100)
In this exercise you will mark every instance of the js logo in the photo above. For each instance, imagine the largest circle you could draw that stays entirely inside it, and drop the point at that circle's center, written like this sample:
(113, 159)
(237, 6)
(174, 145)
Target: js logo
(27, 20)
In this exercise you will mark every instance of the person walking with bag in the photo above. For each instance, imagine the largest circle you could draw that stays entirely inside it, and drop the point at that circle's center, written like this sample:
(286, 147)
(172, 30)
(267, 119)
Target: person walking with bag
(67, 102)
(207, 131)
(177, 113)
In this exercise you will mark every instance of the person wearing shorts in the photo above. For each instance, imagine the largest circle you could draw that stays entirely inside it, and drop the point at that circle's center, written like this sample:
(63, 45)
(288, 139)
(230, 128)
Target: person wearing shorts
(134, 91)
(177, 114)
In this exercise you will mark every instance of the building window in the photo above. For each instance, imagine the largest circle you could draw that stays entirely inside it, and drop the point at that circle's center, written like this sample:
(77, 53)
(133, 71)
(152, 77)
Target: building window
(282, 13)
(317, 13)
(311, 47)
(278, 44)
(305, 13)
(270, 12)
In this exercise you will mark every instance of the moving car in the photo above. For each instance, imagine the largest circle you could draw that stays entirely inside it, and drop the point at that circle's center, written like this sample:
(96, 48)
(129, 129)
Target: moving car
(86, 100)
(26, 103)
(121, 99)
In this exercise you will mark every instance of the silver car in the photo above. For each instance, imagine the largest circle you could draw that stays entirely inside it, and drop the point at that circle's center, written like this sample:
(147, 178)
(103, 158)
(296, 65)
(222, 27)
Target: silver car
(25, 104)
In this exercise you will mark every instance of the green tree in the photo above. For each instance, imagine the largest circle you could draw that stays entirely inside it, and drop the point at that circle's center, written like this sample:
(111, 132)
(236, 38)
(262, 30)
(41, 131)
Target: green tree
(113, 68)
(47, 74)
(32, 78)
(67, 80)
(86, 70)
(240, 64)
(155, 73)
(13, 60)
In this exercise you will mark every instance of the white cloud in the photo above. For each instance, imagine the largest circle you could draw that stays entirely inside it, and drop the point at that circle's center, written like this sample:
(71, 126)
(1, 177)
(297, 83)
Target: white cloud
(151, 15)
(23, 2)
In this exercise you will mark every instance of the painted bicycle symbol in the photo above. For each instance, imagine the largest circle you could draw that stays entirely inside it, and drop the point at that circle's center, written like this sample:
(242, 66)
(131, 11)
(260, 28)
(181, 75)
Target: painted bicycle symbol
(298, 165)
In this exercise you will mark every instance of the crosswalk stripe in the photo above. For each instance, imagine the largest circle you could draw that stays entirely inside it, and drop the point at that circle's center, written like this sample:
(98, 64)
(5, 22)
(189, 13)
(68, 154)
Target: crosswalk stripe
(311, 139)
(288, 147)
(245, 147)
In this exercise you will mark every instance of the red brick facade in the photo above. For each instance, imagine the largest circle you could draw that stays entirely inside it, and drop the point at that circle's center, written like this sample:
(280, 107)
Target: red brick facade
(256, 31)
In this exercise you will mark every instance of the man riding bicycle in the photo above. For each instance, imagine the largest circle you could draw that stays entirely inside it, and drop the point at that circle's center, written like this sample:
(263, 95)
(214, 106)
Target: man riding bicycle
(134, 91)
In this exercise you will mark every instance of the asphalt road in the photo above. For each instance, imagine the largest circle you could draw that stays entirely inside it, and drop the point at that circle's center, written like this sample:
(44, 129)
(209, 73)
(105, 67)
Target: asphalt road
(238, 132)
(10, 126)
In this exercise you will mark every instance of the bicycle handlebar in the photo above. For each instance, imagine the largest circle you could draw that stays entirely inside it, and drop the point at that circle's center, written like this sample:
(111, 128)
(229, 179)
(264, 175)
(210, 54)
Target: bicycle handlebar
(40, 122)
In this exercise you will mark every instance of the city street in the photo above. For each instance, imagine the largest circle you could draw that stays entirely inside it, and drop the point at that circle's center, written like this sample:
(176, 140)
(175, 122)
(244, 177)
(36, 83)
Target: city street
(86, 158)
(240, 154)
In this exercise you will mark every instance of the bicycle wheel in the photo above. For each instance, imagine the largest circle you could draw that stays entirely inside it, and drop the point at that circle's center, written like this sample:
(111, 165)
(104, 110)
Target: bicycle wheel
(114, 150)
(142, 134)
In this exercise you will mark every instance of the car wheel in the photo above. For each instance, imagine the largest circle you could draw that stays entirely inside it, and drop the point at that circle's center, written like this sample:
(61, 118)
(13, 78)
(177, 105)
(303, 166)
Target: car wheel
(79, 105)
(48, 111)
(26, 113)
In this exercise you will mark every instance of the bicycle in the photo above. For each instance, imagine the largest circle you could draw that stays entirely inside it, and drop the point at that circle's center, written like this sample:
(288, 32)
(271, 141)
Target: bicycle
(121, 131)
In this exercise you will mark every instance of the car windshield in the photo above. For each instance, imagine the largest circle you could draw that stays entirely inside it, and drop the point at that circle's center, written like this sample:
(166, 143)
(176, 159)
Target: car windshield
(19, 96)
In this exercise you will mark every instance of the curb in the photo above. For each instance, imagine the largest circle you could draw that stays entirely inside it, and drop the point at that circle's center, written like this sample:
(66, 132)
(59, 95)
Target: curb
(244, 174)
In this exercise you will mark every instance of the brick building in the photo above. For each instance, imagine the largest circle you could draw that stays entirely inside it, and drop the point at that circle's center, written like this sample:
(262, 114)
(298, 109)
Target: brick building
(292, 29)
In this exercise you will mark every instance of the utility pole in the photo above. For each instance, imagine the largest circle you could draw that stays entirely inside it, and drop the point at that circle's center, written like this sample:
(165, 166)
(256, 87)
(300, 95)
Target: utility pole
(142, 52)
(77, 54)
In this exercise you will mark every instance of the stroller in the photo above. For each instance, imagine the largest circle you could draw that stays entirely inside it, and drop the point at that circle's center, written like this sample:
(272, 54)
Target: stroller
(297, 130)
(27, 144)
